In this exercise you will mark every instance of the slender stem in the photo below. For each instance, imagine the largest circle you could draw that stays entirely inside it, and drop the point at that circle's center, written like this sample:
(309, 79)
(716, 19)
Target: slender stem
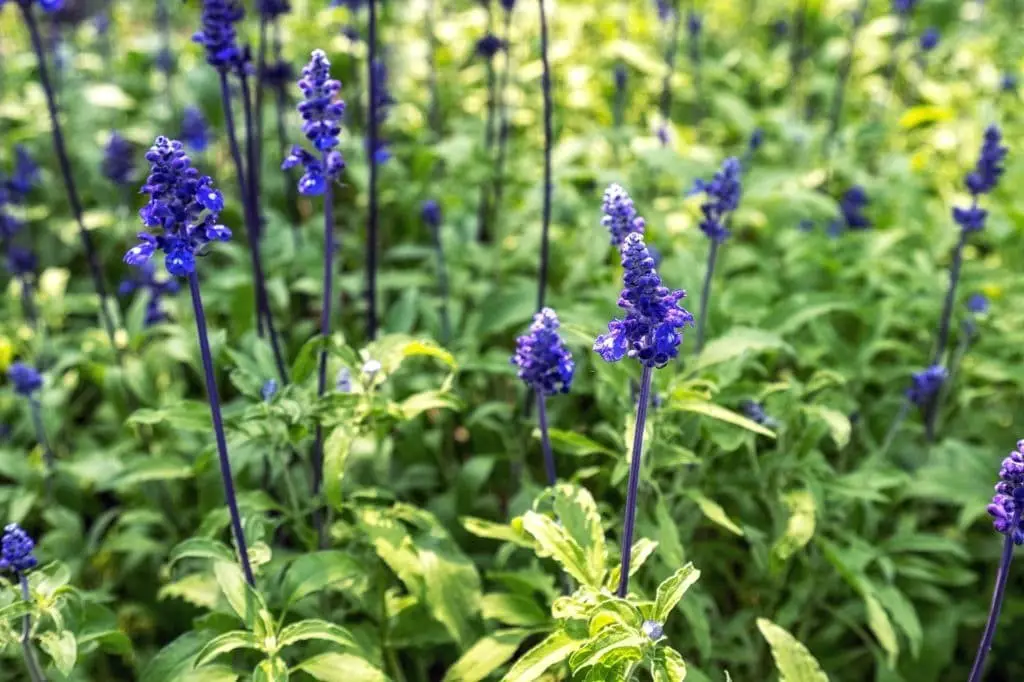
(28, 308)
(963, 344)
(894, 428)
(325, 332)
(634, 479)
(371, 236)
(442, 284)
(665, 102)
(698, 88)
(942, 336)
(261, 67)
(252, 165)
(34, 671)
(842, 77)
(65, 169)
(548, 106)
(796, 52)
(897, 39)
(37, 422)
(218, 430)
(705, 294)
(503, 118)
(484, 205)
(997, 604)
(545, 439)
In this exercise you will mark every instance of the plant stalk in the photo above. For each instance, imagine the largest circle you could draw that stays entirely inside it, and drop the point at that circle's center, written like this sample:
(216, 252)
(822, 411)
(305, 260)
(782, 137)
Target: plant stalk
(548, 135)
(545, 440)
(634, 479)
(997, 604)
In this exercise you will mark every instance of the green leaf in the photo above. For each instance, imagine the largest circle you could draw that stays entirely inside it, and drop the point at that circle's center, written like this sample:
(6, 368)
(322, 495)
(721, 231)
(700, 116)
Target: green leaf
(575, 508)
(417, 404)
(311, 573)
(15, 610)
(210, 673)
(882, 628)
(336, 451)
(615, 640)
(904, 615)
(315, 628)
(554, 541)
(737, 342)
(720, 413)
(430, 349)
(200, 548)
(245, 601)
(164, 468)
(671, 591)
(270, 670)
(334, 667)
(512, 609)
(799, 527)
(668, 665)
(572, 443)
(483, 528)
(792, 659)
(229, 641)
(452, 591)
(171, 662)
(486, 656)
(556, 648)
(62, 648)
(638, 555)
(714, 512)
(838, 423)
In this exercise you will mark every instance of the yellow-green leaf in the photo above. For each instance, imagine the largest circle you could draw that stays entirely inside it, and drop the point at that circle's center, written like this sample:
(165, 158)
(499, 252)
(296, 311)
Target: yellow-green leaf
(792, 659)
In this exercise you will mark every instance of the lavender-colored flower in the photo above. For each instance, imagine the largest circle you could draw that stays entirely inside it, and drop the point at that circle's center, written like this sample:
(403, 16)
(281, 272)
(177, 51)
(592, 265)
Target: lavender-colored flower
(851, 207)
(1006, 505)
(278, 74)
(218, 34)
(430, 211)
(653, 325)
(544, 363)
(21, 262)
(620, 216)
(903, 6)
(694, 24)
(653, 629)
(321, 114)
(489, 45)
(45, 5)
(269, 390)
(664, 10)
(929, 39)
(16, 549)
(343, 380)
(723, 196)
(508, 5)
(145, 279)
(183, 204)
(756, 140)
(118, 165)
(164, 61)
(272, 9)
(1008, 83)
(621, 75)
(985, 176)
(925, 385)
(25, 378)
(24, 177)
(195, 131)
(754, 411)
(978, 304)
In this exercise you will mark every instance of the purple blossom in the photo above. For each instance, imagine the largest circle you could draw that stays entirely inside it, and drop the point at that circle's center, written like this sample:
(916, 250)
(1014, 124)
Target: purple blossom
(321, 114)
(620, 216)
(1005, 508)
(723, 196)
(925, 385)
(25, 378)
(16, 549)
(544, 363)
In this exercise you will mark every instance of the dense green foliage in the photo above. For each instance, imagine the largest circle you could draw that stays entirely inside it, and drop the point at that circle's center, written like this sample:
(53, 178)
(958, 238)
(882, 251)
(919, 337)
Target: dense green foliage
(444, 557)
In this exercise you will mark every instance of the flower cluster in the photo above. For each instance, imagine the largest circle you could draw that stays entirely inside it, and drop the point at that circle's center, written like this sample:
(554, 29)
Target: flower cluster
(664, 8)
(118, 165)
(218, 34)
(272, 9)
(21, 262)
(694, 24)
(45, 5)
(278, 74)
(544, 363)
(145, 279)
(14, 190)
(620, 216)
(268, 390)
(851, 208)
(321, 115)
(26, 379)
(489, 45)
(754, 411)
(903, 6)
(430, 211)
(195, 131)
(982, 180)
(924, 385)
(929, 39)
(24, 177)
(380, 104)
(723, 196)
(977, 304)
(1005, 508)
(652, 328)
(16, 550)
(183, 204)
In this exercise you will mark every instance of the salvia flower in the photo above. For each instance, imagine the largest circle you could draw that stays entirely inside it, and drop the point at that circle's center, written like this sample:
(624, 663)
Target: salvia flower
(16, 550)
(277, 74)
(723, 196)
(544, 363)
(903, 6)
(653, 629)
(664, 9)
(1008, 83)
(851, 208)
(929, 39)
(978, 304)
(652, 328)
(694, 24)
(430, 211)
(272, 9)
(269, 390)
(343, 380)
(118, 163)
(754, 411)
(508, 5)
(925, 385)
(183, 204)
(25, 175)
(1006, 505)
(21, 262)
(25, 378)
(218, 34)
(45, 5)
(195, 131)
(620, 216)
(145, 279)
(985, 176)
(321, 114)
(489, 45)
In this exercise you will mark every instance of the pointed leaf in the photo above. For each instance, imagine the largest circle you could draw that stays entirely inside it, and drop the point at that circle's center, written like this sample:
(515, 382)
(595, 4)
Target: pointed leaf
(315, 628)
(638, 556)
(245, 601)
(200, 548)
(792, 659)
(62, 648)
(229, 641)
(512, 609)
(799, 527)
(336, 450)
(576, 510)
(714, 512)
(556, 648)
(611, 641)
(720, 413)
(554, 541)
(270, 670)
(668, 665)
(334, 667)
(671, 591)
(486, 656)
(882, 628)
(311, 573)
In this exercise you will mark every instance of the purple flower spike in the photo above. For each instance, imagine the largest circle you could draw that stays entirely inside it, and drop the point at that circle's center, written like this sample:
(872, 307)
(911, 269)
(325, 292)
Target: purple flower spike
(321, 114)
(16, 549)
(544, 363)
(620, 216)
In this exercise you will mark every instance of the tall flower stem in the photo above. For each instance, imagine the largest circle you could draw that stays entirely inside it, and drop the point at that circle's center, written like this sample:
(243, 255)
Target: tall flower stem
(280, 104)
(634, 478)
(503, 116)
(34, 671)
(545, 439)
(325, 331)
(371, 232)
(698, 86)
(65, 169)
(997, 604)
(442, 284)
(548, 134)
(842, 77)
(28, 308)
(262, 303)
(484, 204)
(705, 295)
(942, 336)
(218, 430)
(261, 67)
(665, 103)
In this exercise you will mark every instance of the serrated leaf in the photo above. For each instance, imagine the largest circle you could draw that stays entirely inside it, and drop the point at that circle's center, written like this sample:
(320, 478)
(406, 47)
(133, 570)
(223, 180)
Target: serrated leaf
(553, 541)
(335, 667)
(315, 628)
(672, 590)
(904, 615)
(839, 427)
(714, 512)
(554, 649)
(229, 641)
(668, 665)
(198, 589)
(62, 649)
(311, 573)
(792, 659)
(486, 656)
(799, 527)
(452, 591)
